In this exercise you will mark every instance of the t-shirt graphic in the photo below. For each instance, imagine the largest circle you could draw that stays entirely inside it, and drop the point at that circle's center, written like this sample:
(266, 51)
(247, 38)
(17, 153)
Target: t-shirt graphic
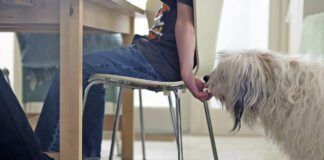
(156, 30)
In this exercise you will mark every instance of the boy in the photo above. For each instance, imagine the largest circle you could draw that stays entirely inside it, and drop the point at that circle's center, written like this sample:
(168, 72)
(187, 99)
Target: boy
(166, 54)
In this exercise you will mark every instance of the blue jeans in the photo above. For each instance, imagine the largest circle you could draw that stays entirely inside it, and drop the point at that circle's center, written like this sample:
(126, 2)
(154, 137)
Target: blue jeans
(126, 61)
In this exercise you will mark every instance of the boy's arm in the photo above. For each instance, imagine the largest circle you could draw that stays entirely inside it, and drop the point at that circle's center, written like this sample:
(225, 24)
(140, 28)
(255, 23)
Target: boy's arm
(185, 37)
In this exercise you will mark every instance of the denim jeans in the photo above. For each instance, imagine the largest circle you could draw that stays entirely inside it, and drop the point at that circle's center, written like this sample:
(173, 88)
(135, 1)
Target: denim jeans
(125, 61)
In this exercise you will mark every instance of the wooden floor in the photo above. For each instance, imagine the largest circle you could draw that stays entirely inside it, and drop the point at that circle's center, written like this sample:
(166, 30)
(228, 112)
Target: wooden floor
(198, 148)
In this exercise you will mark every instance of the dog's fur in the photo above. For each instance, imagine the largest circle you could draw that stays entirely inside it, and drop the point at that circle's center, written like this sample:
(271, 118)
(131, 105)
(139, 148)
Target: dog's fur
(284, 93)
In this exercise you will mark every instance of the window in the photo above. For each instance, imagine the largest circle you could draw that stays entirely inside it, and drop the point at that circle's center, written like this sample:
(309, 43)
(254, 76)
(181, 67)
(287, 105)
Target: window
(244, 24)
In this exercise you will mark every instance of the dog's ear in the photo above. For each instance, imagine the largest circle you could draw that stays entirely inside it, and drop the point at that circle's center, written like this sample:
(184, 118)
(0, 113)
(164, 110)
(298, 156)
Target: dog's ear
(241, 94)
(238, 112)
(250, 94)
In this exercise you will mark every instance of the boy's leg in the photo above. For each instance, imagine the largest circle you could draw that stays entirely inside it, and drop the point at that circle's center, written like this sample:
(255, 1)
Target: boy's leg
(126, 61)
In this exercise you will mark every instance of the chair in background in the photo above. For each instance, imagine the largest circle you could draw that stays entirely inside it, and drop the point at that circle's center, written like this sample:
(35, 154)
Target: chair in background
(207, 10)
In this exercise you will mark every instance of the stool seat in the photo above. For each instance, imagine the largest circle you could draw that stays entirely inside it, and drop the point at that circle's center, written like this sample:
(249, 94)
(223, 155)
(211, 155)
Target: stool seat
(137, 83)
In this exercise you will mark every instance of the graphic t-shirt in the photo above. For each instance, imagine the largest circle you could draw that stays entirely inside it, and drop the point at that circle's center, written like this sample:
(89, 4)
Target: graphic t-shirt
(160, 47)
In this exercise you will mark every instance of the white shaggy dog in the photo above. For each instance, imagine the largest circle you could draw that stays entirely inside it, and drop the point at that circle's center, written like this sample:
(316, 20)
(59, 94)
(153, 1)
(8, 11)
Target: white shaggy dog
(284, 93)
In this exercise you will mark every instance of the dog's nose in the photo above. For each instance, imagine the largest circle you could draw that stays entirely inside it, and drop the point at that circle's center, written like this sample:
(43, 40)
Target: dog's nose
(206, 78)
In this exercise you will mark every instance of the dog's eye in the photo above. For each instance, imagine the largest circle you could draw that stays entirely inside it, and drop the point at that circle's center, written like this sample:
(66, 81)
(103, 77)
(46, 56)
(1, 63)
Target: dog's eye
(222, 77)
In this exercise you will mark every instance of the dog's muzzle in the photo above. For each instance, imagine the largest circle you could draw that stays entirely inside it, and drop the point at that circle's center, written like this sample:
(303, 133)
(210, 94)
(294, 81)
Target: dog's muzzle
(206, 78)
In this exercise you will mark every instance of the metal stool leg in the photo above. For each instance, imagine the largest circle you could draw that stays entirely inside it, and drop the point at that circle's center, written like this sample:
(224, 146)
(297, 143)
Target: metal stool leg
(175, 130)
(179, 126)
(210, 129)
(173, 117)
(116, 124)
(117, 135)
(142, 124)
(86, 92)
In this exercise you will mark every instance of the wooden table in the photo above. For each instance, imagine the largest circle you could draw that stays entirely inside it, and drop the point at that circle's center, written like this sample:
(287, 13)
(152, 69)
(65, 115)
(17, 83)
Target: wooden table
(71, 18)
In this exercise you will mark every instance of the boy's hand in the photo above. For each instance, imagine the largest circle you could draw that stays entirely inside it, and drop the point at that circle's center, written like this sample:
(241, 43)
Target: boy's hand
(196, 87)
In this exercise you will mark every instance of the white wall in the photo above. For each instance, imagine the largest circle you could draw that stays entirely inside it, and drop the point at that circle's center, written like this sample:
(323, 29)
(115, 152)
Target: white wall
(6, 52)
(10, 58)
(313, 7)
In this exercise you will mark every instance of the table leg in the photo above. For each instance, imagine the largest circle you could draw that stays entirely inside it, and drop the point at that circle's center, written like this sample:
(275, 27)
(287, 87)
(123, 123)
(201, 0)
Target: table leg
(128, 126)
(71, 30)
(128, 111)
